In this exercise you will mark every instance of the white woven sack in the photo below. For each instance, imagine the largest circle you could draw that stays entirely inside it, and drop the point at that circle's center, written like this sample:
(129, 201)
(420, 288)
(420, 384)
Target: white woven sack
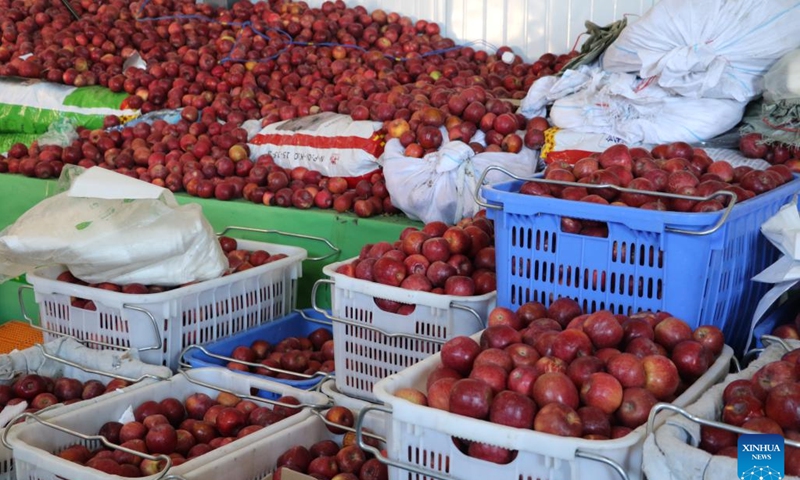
(708, 48)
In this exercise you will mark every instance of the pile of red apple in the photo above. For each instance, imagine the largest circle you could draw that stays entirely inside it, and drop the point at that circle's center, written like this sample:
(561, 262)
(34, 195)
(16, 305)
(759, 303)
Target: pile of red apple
(769, 402)
(180, 430)
(205, 159)
(450, 260)
(332, 460)
(238, 261)
(306, 355)
(560, 371)
(676, 168)
(371, 65)
(41, 392)
(752, 146)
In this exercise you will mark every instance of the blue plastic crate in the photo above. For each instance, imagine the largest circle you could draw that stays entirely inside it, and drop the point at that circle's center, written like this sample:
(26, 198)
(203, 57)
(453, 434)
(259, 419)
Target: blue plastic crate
(292, 325)
(642, 264)
(784, 313)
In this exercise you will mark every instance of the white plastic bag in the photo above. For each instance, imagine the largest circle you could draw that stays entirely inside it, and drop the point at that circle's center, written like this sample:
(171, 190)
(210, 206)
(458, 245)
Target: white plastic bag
(440, 186)
(708, 48)
(110, 228)
(546, 90)
(639, 111)
(333, 144)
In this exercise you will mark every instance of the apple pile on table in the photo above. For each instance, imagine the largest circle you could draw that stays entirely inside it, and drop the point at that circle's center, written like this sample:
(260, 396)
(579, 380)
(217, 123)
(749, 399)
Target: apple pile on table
(674, 168)
(752, 146)
(307, 355)
(769, 402)
(560, 371)
(451, 260)
(290, 60)
(238, 261)
(41, 391)
(205, 159)
(331, 459)
(180, 430)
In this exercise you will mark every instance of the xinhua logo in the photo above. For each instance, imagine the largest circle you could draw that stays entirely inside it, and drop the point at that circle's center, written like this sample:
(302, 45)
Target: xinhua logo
(761, 457)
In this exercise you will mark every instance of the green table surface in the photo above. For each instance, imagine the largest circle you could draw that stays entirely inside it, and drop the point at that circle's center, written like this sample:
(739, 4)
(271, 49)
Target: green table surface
(346, 231)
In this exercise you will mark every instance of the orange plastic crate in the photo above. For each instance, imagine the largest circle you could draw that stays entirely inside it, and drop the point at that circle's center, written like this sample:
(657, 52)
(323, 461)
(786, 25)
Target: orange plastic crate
(18, 335)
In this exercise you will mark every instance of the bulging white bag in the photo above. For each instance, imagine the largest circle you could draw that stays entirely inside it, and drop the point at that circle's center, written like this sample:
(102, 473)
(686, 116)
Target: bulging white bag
(640, 111)
(333, 144)
(111, 228)
(546, 90)
(708, 48)
(440, 186)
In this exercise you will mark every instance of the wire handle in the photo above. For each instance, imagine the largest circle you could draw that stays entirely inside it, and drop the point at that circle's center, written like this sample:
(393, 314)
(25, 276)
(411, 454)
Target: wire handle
(183, 363)
(336, 250)
(247, 396)
(85, 437)
(425, 472)
(31, 322)
(702, 421)
(726, 213)
(86, 369)
(373, 328)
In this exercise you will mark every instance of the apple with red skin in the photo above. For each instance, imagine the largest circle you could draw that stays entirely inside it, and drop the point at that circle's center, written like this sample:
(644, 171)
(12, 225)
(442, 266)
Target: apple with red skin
(162, 438)
(635, 407)
(570, 344)
(459, 353)
(738, 388)
(296, 458)
(628, 369)
(691, 359)
(29, 386)
(741, 409)
(439, 393)
(581, 368)
(504, 316)
(490, 453)
(713, 439)
(555, 387)
(412, 395)
(513, 409)
(782, 405)
(710, 337)
(494, 356)
(661, 376)
(350, 459)
(671, 331)
(67, 388)
(595, 421)
(558, 419)
(602, 390)
(522, 354)
(493, 375)
(499, 336)
(522, 378)
(339, 415)
(471, 398)
(603, 329)
(563, 310)
(441, 372)
(773, 374)
(530, 311)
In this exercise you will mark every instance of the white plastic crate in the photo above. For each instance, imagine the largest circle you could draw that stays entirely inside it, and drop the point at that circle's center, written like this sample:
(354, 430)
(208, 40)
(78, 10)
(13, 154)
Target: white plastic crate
(34, 444)
(161, 325)
(372, 344)
(134, 370)
(258, 459)
(422, 437)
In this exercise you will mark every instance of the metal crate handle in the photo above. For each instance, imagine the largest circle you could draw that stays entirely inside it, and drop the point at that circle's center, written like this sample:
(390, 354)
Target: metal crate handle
(335, 250)
(443, 476)
(184, 364)
(86, 369)
(373, 328)
(725, 214)
(702, 421)
(153, 322)
(247, 396)
(766, 340)
(82, 436)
